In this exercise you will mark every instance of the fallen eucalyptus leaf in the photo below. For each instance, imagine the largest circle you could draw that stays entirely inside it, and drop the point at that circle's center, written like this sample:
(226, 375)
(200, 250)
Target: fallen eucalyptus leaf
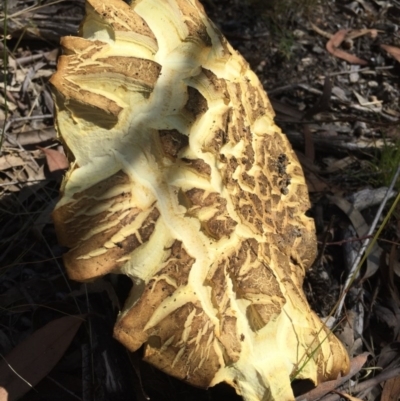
(333, 47)
(324, 388)
(55, 160)
(393, 51)
(31, 360)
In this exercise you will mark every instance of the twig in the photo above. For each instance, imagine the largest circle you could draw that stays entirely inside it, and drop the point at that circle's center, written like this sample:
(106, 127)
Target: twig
(385, 375)
(40, 117)
(27, 118)
(31, 58)
(5, 66)
(347, 240)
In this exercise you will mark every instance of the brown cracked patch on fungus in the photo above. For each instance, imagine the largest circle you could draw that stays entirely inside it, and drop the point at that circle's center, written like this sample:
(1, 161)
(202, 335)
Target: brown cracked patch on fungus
(180, 179)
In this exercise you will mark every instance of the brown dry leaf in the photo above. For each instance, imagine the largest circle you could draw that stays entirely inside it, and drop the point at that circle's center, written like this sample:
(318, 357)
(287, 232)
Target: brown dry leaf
(374, 105)
(393, 51)
(51, 55)
(3, 394)
(34, 173)
(285, 112)
(340, 164)
(324, 388)
(9, 161)
(333, 44)
(389, 358)
(31, 361)
(36, 136)
(55, 159)
(391, 389)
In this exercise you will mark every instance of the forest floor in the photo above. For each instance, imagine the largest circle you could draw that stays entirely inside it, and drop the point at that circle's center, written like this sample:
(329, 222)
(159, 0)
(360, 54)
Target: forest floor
(332, 72)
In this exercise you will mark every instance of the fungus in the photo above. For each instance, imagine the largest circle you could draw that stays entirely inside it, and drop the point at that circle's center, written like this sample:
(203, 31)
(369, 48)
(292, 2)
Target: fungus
(180, 179)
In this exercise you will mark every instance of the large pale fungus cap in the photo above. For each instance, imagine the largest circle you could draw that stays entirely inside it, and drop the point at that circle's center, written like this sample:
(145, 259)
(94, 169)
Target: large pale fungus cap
(180, 179)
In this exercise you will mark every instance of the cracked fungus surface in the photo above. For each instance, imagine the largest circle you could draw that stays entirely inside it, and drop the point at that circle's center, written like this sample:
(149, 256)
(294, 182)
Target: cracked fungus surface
(180, 179)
